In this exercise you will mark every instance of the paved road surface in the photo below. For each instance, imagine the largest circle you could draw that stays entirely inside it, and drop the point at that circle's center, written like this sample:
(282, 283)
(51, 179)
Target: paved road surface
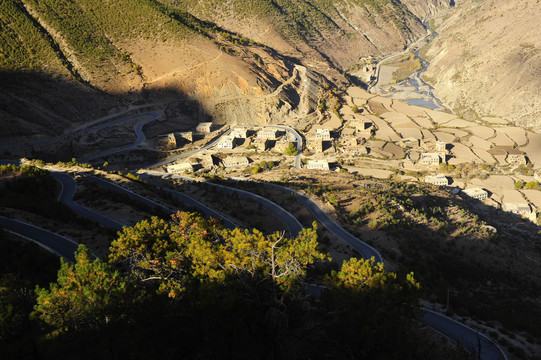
(188, 201)
(140, 139)
(52, 242)
(297, 136)
(467, 337)
(77, 132)
(66, 197)
(117, 188)
(292, 224)
(363, 248)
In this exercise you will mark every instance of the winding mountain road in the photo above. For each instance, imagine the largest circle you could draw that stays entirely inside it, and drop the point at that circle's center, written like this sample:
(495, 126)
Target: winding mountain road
(66, 197)
(293, 225)
(78, 132)
(471, 340)
(363, 248)
(57, 244)
(188, 201)
(185, 199)
(138, 129)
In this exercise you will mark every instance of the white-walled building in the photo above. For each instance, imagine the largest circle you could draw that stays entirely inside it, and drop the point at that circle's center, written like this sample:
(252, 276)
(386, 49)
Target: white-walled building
(476, 193)
(236, 161)
(323, 134)
(432, 158)
(439, 180)
(226, 142)
(318, 164)
(267, 133)
(180, 168)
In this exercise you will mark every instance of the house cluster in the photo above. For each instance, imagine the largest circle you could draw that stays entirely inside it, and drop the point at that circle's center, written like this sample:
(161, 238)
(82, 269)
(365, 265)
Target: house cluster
(265, 139)
(428, 153)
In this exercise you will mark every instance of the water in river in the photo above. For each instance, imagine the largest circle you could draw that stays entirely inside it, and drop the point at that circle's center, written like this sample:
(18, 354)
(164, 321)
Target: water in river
(414, 90)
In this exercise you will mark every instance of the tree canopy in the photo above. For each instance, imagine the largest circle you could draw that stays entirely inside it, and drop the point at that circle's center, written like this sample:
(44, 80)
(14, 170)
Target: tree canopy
(192, 249)
(87, 294)
(246, 289)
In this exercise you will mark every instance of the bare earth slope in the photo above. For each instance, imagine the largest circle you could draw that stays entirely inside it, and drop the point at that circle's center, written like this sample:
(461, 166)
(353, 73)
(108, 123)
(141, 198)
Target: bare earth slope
(338, 31)
(229, 56)
(487, 60)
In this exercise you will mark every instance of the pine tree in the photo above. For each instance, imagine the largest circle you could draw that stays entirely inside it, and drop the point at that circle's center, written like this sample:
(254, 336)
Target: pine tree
(87, 294)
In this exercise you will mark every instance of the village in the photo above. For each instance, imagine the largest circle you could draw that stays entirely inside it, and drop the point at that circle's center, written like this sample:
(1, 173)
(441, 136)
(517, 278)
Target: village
(487, 160)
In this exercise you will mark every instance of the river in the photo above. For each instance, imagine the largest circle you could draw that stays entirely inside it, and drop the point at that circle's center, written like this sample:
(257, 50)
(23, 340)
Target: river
(414, 90)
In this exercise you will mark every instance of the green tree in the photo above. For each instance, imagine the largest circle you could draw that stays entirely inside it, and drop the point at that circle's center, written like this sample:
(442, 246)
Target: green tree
(291, 150)
(256, 169)
(87, 295)
(155, 250)
(193, 250)
(519, 184)
(332, 199)
(532, 185)
(374, 308)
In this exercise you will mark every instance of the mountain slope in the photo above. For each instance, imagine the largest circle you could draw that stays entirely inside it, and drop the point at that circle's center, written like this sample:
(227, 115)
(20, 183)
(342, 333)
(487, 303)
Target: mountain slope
(229, 56)
(487, 60)
(338, 31)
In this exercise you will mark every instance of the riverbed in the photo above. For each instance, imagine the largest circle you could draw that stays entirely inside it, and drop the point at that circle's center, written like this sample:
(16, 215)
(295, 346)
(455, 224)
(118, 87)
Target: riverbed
(414, 90)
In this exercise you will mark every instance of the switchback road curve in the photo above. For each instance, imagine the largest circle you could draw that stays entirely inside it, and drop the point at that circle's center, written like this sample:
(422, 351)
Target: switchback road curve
(292, 224)
(66, 197)
(57, 244)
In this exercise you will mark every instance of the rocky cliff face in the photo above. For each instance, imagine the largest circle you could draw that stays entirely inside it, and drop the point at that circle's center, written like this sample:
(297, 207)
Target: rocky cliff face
(487, 60)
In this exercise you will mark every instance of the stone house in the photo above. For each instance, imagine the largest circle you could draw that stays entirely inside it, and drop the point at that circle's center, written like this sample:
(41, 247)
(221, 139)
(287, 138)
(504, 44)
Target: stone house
(352, 147)
(516, 158)
(476, 193)
(410, 142)
(441, 146)
(322, 164)
(240, 133)
(315, 145)
(267, 133)
(204, 127)
(523, 209)
(323, 134)
(235, 161)
(432, 158)
(227, 142)
(179, 168)
(439, 180)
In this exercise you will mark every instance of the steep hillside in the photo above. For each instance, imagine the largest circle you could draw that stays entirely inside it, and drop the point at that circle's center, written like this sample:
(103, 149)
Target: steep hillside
(69, 61)
(487, 60)
(337, 31)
